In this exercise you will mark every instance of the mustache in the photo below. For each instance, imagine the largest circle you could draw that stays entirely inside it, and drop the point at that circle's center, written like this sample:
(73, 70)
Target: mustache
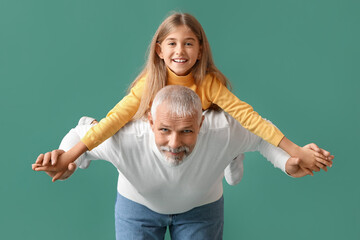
(175, 150)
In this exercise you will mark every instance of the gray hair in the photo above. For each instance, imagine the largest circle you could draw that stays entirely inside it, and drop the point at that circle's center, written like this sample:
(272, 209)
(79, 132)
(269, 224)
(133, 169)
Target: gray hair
(182, 101)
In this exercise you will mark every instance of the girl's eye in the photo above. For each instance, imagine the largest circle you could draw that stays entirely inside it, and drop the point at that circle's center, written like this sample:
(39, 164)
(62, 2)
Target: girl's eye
(171, 43)
(188, 44)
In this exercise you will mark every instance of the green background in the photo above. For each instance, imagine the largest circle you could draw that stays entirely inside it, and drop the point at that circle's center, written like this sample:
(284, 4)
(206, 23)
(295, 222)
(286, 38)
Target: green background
(295, 61)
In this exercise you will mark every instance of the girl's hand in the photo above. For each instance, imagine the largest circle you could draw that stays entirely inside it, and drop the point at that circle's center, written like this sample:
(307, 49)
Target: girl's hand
(315, 158)
(295, 166)
(49, 158)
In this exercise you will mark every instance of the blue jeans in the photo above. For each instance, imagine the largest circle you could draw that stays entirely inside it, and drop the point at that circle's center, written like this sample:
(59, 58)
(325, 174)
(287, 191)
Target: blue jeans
(135, 221)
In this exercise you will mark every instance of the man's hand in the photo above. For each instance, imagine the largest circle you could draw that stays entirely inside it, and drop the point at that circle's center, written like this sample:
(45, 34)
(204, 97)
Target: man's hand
(63, 168)
(294, 166)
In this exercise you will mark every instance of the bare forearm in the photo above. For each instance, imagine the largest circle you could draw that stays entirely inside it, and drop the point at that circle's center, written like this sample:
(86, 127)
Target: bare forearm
(291, 148)
(75, 151)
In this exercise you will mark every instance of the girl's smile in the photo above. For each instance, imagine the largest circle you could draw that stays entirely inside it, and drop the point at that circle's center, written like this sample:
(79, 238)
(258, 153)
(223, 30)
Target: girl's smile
(180, 50)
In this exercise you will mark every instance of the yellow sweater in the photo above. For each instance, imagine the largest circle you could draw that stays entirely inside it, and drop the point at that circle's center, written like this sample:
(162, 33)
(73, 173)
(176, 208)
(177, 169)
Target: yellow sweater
(211, 91)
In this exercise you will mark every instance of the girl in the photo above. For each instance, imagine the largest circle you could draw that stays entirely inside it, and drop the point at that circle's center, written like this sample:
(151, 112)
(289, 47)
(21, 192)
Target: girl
(180, 54)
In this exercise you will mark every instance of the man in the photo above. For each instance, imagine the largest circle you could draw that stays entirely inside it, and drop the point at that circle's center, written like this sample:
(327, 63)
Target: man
(171, 167)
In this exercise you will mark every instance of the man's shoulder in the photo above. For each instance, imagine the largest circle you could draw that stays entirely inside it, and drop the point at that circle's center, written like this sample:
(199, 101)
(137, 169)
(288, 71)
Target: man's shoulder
(136, 127)
(217, 120)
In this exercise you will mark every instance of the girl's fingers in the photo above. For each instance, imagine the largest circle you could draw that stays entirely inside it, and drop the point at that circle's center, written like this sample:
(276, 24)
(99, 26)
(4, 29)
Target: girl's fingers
(40, 159)
(35, 165)
(325, 153)
(54, 157)
(324, 162)
(322, 166)
(314, 147)
(47, 159)
(319, 155)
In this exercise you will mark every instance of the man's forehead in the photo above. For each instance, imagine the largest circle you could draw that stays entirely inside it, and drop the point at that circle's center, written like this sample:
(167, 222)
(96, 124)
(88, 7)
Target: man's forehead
(167, 116)
(171, 119)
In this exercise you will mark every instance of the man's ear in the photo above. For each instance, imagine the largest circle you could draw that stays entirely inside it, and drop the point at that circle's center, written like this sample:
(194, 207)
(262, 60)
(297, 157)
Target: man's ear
(151, 121)
(158, 50)
(202, 120)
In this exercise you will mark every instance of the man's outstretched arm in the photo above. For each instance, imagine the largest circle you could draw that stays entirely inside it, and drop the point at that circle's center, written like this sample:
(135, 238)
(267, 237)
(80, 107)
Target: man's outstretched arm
(55, 174)
(58, 168)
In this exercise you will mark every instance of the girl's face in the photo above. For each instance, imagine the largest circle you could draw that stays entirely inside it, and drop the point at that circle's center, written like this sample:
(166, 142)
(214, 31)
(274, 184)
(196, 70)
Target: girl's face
(180, 50)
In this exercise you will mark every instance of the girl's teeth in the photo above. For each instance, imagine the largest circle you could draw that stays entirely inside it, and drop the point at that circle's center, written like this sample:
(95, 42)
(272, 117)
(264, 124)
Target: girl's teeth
(179, 60)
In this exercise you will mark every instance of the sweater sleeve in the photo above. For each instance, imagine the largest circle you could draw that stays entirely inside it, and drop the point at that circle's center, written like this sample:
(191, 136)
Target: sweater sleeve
(213, 91)
(242, 140)
(121, 114)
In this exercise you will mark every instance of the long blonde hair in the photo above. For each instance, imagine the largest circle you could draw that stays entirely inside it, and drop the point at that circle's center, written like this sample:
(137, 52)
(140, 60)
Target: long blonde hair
(155, 69)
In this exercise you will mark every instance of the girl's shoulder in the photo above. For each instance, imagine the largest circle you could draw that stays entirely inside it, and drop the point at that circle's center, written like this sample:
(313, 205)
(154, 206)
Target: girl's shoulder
(210, 79)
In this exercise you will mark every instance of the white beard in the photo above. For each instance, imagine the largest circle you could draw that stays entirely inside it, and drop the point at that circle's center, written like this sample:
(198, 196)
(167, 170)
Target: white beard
(175, 160)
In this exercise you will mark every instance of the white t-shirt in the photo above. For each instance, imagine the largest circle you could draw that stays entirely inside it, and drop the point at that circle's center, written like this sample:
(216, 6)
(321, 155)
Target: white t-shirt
(146, 177)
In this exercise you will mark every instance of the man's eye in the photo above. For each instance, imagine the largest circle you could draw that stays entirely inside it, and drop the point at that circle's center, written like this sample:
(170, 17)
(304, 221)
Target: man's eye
(164, 130)
(187, 131)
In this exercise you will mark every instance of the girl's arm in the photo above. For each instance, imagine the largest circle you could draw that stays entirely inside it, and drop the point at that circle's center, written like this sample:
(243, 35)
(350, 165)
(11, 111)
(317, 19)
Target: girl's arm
(121, 114)
(213, 91)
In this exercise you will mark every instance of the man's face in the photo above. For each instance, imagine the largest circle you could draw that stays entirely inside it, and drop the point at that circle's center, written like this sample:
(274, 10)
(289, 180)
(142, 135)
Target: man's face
(175, 136)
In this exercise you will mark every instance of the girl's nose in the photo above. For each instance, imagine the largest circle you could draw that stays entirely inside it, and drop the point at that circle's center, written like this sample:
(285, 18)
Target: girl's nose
(179, 49)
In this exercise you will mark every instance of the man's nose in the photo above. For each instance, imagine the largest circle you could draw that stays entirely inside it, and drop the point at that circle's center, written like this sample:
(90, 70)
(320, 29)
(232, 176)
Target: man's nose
(174, 141)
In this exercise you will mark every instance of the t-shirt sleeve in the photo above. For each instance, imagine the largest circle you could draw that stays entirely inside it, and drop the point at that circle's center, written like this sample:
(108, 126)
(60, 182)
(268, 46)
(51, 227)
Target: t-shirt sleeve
(121, 114)
(215, 92)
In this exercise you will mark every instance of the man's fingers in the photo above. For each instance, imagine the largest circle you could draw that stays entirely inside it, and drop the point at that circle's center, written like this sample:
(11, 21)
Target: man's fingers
(72, 167)
(40, 158)
(44, 168)
(315, 168)
(57, 176)
(308, 171)
(294, 161)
